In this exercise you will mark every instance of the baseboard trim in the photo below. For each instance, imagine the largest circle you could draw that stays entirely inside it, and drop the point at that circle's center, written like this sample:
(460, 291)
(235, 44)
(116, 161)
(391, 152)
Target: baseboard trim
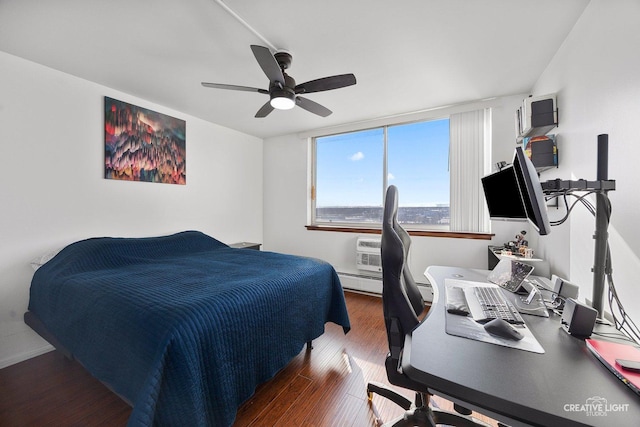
(21, 357)
(373, 285)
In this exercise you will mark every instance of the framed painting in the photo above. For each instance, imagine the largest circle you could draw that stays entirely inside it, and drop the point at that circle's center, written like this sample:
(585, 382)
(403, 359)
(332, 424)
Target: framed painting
(143, 145)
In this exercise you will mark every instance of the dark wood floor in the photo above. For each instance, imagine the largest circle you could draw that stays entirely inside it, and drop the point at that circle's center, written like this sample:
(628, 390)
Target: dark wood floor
(322, 387)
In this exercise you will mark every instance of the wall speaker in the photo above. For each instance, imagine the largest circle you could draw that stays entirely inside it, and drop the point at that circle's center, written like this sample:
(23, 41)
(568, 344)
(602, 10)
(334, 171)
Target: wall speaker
(578, 319)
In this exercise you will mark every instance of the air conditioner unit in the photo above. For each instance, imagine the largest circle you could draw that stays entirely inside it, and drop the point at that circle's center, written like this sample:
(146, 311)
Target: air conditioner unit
(368, 254)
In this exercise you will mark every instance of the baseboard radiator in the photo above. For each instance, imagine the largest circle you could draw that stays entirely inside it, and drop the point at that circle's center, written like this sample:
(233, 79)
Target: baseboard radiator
(373, 284)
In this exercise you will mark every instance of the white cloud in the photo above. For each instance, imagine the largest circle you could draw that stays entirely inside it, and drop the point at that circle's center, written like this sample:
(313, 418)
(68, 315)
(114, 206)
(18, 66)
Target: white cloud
(390, 176)
(357, 156)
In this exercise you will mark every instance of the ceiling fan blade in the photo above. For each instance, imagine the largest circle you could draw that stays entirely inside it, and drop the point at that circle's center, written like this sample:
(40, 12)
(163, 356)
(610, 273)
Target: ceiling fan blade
(234, 87)
(326, 83)
(264, 110)
(268, 63)
(312, 106)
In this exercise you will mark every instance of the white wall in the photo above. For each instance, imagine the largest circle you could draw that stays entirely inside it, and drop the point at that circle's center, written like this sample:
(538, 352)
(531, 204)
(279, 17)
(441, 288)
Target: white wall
(596, 74)
(287, 185)
(52, 190)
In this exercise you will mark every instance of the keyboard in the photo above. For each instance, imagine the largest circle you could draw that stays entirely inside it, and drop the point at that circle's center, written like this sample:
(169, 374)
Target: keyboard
(495, 306)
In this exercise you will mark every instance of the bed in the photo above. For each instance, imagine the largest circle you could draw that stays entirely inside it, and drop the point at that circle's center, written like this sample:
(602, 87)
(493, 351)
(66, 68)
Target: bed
(182, 327)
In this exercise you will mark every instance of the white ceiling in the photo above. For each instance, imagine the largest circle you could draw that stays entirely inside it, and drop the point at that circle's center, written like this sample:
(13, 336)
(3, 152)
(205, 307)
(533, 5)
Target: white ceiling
(407, 55)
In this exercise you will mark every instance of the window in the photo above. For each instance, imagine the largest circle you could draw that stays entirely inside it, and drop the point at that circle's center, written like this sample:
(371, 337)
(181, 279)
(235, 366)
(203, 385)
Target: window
(354, 169)
(349, 177)
(436, 165)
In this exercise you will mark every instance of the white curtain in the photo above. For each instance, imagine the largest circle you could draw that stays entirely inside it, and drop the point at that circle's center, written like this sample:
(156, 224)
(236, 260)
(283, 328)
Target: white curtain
(470, 145)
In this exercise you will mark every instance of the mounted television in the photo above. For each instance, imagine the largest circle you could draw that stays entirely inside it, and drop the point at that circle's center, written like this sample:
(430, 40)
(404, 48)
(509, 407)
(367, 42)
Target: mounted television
(515, 194)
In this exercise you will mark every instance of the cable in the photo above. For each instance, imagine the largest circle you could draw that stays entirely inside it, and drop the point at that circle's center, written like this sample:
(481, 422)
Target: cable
(621, 320)
(245, 23)
(613, 335)
(555, 303)
(581, 198)
(554, 294)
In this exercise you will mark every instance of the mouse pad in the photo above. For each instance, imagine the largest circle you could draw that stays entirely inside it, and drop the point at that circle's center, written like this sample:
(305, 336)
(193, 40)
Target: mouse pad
(466, 327)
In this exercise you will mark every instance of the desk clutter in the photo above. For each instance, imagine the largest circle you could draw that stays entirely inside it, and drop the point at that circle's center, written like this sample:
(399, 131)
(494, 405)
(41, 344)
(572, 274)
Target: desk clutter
(578, 319)
(555, 387)
(619, 359)
(466, 318)
(497, 253)
(510, 274)
(518, 247)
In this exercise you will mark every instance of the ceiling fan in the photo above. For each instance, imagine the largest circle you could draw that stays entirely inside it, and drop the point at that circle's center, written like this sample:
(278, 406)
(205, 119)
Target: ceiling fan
(283, 92)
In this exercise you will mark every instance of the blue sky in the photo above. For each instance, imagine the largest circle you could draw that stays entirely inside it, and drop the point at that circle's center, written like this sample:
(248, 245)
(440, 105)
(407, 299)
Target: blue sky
(350, 166)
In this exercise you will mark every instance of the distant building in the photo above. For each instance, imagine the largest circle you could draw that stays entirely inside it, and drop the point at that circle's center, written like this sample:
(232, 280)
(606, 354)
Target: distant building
(422, 215)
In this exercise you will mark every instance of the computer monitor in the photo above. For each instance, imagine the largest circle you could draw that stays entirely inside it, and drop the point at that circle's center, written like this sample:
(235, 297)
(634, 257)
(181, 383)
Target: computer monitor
(514, 193)
(531, 191)
(502, 193)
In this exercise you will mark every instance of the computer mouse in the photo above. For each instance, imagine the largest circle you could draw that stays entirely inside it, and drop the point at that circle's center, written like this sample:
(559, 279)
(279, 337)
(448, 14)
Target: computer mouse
(503, 329)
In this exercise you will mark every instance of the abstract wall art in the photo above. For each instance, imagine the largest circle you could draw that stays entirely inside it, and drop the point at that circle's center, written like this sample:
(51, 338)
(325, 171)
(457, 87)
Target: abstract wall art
(143, 145)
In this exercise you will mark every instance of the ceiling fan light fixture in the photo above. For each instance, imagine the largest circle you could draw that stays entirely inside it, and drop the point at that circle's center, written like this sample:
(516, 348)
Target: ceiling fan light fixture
(284, 93)
(283, 99)
(283, 103)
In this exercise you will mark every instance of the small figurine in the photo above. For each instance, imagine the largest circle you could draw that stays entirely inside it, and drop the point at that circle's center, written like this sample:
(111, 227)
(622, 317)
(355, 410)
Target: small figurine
(520, 240)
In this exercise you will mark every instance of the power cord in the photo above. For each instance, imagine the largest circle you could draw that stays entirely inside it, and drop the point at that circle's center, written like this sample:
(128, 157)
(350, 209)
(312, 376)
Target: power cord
(621, 320)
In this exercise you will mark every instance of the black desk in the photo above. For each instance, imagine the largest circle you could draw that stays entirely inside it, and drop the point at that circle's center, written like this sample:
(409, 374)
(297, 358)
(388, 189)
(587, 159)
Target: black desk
(510, 385)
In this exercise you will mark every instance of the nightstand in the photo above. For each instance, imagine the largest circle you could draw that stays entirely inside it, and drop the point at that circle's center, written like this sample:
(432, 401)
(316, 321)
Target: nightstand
(246, 245)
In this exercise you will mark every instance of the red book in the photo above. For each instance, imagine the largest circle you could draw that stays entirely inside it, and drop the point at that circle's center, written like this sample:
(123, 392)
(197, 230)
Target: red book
(607, 353)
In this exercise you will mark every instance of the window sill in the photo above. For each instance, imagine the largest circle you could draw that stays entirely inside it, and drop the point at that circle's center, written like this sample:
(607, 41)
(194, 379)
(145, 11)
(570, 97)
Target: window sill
(363, 230)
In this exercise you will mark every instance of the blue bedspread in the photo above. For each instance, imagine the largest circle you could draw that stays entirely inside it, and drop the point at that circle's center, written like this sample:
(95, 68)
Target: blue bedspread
(183, 326)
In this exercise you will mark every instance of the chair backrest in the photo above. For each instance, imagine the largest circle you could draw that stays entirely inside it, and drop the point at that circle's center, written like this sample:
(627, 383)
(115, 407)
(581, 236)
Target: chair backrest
(401, 299)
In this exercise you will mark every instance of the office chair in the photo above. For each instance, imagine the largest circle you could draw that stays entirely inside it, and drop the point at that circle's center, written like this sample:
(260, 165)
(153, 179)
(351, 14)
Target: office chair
(402, 305)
